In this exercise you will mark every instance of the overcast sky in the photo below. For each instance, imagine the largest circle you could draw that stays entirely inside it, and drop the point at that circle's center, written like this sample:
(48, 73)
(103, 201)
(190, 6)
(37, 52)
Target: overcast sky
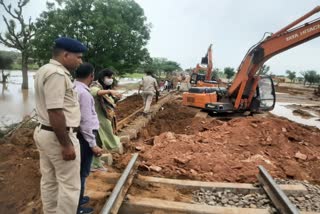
(183, 29)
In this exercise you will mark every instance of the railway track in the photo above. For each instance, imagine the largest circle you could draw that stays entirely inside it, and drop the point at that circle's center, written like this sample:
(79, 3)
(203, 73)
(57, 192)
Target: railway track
(123, 201)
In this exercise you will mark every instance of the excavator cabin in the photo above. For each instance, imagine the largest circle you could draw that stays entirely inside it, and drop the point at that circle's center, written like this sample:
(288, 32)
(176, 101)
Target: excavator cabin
(202, 83)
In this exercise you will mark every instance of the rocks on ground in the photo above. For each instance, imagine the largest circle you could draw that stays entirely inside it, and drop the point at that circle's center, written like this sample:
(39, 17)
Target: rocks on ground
(228, 198)
(309, 201)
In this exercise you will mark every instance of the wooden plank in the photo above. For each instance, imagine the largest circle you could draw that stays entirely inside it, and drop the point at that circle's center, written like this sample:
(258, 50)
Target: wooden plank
(141, 179)
(137, 205)
(236, 187)
(124, 121)
(291, 188)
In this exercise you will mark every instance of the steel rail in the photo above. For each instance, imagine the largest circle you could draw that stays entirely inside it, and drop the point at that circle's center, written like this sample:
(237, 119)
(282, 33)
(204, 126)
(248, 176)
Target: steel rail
(277, 196)
(115, 199)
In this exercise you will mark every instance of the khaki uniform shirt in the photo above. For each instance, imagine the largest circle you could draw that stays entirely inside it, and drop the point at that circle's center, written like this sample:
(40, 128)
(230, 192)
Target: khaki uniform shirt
(55, 90)
(148, 83)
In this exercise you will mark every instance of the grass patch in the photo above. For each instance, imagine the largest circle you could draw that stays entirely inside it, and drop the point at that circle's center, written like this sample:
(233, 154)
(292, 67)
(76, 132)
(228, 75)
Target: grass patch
(18, 66)
(134, 75)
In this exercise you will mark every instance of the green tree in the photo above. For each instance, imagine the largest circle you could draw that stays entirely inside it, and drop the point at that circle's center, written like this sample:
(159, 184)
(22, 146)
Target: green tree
(311, 76)
(264, 69)
(18, 37)
(5, 63)
(291, 75)
(300, 79)
(158, 65)
(217, 74)
(229, 72)
(115, 32)
(170, 66)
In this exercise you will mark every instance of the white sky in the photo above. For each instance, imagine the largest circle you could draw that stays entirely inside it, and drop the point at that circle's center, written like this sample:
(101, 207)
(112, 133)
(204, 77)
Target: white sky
(183, 29)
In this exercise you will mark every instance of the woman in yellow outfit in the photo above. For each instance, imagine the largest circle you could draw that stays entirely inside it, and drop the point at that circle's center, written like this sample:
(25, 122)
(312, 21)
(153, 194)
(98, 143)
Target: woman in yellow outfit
(105, 102)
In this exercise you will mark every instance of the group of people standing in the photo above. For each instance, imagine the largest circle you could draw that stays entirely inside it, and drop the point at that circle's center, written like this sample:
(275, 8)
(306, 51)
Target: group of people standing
(77, 121)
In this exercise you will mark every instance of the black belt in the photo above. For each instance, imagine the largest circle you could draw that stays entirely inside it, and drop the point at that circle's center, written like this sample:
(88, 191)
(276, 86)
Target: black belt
(49, 128)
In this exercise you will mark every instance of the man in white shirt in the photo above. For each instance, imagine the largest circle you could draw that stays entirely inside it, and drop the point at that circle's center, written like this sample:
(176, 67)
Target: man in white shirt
(149, 86)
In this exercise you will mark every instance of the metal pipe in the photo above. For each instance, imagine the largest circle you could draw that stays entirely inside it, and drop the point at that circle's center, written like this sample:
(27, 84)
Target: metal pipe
(277, 196)
(109, 205)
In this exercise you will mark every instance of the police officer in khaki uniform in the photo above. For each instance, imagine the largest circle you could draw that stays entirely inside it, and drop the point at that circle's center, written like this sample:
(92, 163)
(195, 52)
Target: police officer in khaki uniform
(59, 116)
(149, 87)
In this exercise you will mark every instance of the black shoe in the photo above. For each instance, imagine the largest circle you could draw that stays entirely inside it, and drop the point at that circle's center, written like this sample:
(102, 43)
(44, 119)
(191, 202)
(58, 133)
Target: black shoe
(84, 200)
(85, 210)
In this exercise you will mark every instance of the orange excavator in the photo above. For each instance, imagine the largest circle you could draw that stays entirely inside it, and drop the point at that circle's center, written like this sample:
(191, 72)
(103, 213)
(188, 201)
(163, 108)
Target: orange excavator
(249, 91)
(204, 80)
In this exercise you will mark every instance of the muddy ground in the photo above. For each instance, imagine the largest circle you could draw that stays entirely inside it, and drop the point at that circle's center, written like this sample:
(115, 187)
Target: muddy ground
(305, 111)
(295, 93)
(178, 145)
(19, 172)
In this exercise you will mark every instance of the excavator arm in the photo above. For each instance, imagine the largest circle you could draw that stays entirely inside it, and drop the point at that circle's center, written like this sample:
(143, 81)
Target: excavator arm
(206, 60)
(245, 83)
(209, 66)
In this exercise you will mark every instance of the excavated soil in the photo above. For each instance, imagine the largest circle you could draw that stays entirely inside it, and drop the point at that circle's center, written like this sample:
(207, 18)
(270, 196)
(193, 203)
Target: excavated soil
(128, 106)
(231, 151)
(215, 150)
(177, 145)
(20, 175)
(172, 117)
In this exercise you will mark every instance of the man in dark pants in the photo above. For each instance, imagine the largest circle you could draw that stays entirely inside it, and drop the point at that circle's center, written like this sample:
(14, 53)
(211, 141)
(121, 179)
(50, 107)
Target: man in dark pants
(89, 124)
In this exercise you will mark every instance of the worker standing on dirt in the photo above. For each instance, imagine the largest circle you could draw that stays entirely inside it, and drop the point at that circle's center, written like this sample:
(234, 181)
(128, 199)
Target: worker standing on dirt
(178, 86)
(105, 103)
(149, 87)
(58, 112)
(166, 84)
(89, 125)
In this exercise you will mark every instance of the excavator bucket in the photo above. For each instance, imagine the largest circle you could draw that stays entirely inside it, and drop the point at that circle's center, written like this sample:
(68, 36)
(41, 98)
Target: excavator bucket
(204, 60)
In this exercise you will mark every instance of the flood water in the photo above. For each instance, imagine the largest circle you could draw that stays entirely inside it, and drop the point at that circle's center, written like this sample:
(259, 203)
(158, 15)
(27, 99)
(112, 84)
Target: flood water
(16, 103)
(284, 110)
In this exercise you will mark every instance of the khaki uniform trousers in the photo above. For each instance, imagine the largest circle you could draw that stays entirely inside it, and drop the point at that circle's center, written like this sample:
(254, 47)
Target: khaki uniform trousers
(60, 181)
(147, 100)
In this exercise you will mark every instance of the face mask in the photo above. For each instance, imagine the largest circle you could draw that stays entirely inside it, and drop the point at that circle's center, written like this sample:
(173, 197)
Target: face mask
(108, 81)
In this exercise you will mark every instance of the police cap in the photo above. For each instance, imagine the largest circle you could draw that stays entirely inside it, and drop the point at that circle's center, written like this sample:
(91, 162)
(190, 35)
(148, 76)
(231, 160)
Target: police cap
(70, 45)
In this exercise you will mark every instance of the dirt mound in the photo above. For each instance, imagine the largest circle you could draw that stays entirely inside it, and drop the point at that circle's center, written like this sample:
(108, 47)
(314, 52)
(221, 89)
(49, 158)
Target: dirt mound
(302, 113)
(231, 151)
(128, 106)
(172, 117)
(292, 90)
(20, 175)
